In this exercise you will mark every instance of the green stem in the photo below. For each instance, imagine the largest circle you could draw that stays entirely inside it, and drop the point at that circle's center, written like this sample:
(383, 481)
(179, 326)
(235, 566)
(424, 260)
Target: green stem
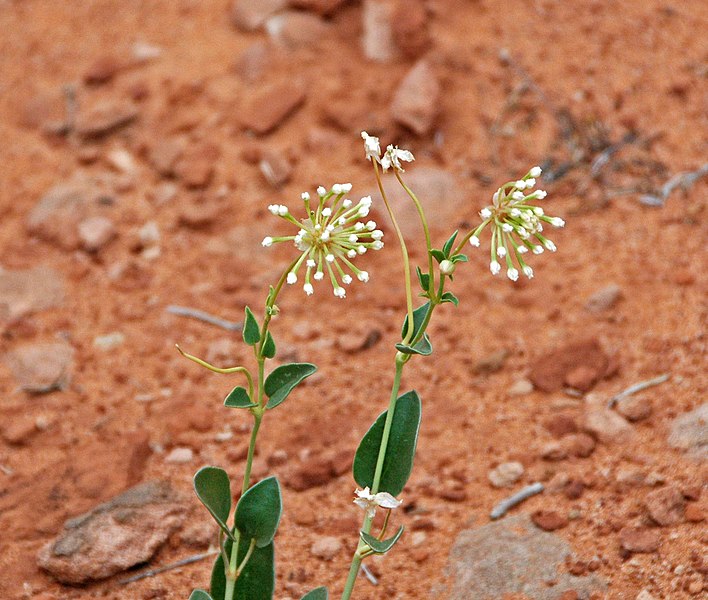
(401, 360)
(404, 252)
(232, 570)
(426, 230)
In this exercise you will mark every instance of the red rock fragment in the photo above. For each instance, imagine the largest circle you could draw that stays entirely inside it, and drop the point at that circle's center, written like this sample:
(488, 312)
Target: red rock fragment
(666, 506)
(410, 27)
(415, 104)
(269, 108)
(551, 371)
(633, 539)
(549, 520)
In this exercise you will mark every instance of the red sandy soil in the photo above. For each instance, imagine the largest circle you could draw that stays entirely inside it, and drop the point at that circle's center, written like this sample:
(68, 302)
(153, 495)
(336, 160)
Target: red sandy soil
(614, 67)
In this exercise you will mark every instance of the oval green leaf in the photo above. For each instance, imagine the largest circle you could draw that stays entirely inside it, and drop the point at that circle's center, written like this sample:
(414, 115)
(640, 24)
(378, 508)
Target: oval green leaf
(423, 346)
(418, 318)
(449, 297)
(200, 595)
(283, 380)
(400, 451)
(214, 491)
(269, 346)
(258, 511)
(319, 593)
(381, 546)
(251, 331)
(238, 398)
(257, 580)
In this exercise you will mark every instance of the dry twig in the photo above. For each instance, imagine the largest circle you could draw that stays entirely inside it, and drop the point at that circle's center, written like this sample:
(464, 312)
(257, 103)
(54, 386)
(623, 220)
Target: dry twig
(200, 315)
(508, 503)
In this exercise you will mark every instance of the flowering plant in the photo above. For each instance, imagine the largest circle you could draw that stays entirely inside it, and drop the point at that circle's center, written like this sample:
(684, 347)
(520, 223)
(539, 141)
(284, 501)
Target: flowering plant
(330, 237)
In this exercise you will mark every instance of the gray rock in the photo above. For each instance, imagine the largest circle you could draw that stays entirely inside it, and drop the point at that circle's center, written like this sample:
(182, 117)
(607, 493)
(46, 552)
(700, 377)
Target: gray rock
(41, 368)
(114, 536)
(29, 291)
(513, 557)
(416, 101)
(603, 299)
(689, 432)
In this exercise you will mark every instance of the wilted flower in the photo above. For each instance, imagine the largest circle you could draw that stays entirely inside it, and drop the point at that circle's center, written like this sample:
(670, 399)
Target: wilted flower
(372, 146)
(516, 225)
(368, 501)
(393, 157)
(329, 237)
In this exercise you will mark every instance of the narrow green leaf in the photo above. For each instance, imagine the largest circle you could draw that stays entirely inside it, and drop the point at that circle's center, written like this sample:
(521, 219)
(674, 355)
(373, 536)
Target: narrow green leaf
(438, 255)
(381, 546)
(258, 511)
(448, 245)
(423, 279)
(238, 398)
(251, 331)
(459, 258)
(214, 491)
(449, 297)
(400, 451)
(200, 595)
(283, 380)
(423, 346)
(320, 593)
(257, 580)
(269, 346)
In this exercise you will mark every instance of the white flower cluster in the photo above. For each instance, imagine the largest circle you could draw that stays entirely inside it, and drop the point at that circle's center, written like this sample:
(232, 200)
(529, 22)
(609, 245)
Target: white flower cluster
(368, 501)
(516, 225)
(391, 158)
(329, 237)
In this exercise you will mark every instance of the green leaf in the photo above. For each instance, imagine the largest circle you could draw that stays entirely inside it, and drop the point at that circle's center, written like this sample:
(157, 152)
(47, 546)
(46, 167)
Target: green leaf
(438, 255)
(258, 511)
(423, 279)
(448, 245)
(459, 258)
(422, 346)
(381, 546)
(317, 594)
(238, 398)
(214, 491)
(449, 297)
(200, 595)
(418, 318)
(251, 331)
(257, 580)
(269, 346)
(283, 380)
(400, 451)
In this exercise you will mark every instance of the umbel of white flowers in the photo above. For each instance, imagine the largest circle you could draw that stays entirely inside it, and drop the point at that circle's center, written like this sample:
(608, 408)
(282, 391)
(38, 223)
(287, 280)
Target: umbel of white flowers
(329, 238)
(516, 225)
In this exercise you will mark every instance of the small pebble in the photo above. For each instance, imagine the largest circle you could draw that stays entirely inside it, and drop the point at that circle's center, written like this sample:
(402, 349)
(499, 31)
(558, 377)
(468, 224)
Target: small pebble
(326, 547)
(520, 387)
(180, 456)
(506, 474)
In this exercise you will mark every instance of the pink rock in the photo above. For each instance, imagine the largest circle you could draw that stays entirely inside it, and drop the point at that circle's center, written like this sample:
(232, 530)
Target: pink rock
(550, 371)
(41, 367)
(249, 15)
(415, 104)
(29, 291)
(269, 108)
(377, 41)
(634, 539)
(293, 30)
(666, 506)
(95, 233)
(607, 426)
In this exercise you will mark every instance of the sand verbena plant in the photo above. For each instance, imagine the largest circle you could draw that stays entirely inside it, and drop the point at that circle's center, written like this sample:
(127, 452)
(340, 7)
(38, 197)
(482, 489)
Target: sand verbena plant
(329, 235)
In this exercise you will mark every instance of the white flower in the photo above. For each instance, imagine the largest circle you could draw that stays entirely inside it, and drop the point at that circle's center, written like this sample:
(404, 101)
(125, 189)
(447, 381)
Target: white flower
(512, 274)
(557, 222)
(485, 213)
(474, 241)
(537, 249)
(530, 182)
(393, 157)
(447, 267)
(329, 237)
(368, 501)
(549, 245)
(501, 252)
(520, 184)
(528, 271)
(494, 267)
(535, 171)
(372, 146)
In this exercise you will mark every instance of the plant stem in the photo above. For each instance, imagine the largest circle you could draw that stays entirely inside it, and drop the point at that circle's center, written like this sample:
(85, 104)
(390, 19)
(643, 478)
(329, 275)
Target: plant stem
(401, 360)
(426, 230)
(404, 252)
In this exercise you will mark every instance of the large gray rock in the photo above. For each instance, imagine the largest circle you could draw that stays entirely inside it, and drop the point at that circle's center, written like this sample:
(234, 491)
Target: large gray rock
(513, 557)
(689, 432)
(114, 536)
(32, 290)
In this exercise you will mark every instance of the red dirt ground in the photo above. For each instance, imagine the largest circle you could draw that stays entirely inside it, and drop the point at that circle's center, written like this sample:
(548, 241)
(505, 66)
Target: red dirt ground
(615, 68)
